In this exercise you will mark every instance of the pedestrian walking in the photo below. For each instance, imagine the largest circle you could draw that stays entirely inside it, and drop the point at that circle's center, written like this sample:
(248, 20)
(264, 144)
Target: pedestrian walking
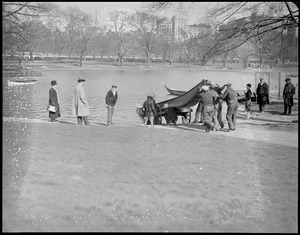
(80, 107)
(232, 106)
(54, 101)
(288, 99)
(262, 92)
(248, 94)
(111, 100)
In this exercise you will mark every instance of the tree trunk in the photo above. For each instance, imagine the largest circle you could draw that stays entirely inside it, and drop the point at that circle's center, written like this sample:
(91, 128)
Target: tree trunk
(81, 57)
(148, 58)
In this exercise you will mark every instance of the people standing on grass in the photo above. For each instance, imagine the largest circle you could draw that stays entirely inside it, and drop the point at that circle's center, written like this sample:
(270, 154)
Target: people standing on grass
(262, 92)
(248, 94)
(206, 99)
(232, 106)
(149, 110)
(111, 100)
(288, 93)
(80, 107)
(54, 101)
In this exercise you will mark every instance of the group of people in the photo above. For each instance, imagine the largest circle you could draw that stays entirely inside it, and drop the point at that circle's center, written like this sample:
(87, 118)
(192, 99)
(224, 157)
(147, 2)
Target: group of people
(80, 107)
(209, 109)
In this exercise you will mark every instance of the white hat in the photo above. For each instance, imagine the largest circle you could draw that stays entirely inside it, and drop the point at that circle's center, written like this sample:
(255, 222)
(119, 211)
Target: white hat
(204, 88)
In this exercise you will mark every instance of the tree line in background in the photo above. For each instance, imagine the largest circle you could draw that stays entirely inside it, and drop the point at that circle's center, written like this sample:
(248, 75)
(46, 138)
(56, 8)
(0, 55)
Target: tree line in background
(39, 27)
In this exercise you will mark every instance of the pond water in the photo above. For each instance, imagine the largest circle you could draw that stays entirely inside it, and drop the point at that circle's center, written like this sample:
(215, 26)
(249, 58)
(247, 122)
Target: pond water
(30, 101)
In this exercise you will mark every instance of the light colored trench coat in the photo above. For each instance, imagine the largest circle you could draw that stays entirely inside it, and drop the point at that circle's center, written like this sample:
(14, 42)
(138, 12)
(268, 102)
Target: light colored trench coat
(80, 105)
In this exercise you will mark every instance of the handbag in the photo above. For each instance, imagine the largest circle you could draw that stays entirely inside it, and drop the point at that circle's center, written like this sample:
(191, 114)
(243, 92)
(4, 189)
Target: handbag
(51, 108)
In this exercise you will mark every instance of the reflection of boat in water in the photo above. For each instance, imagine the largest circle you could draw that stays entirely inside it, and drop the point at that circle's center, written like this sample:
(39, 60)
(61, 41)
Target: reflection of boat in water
(240, 95)
(21, 82)
(181, 104)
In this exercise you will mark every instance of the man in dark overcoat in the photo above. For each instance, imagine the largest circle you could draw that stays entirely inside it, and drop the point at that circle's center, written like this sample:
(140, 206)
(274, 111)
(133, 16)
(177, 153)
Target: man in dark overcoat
(262, 93)
(54, 101)
(288, 93)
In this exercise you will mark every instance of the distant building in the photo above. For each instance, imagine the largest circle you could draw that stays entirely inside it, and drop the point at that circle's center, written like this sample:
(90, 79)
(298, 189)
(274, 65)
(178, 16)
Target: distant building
(292, 35)
(165, 28)
(198, 29)
(180, 27)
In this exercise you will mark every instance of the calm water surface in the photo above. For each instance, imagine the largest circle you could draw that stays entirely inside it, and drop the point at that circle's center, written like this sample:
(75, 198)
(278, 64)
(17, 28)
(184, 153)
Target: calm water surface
(30, 101)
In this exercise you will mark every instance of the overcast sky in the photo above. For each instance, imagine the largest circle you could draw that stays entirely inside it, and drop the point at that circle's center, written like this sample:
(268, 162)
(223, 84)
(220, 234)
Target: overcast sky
(89, 7)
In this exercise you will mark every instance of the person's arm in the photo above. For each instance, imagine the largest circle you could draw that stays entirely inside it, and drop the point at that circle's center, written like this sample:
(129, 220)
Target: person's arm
(224, 95)
(52, 97)
(293, 90)
(82, 96)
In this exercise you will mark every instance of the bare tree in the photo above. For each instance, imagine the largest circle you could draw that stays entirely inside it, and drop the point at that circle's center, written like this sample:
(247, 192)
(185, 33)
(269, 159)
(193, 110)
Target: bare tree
(146, 25)
(80, 28)
(121, 28)
(16, 18)
(271, 17)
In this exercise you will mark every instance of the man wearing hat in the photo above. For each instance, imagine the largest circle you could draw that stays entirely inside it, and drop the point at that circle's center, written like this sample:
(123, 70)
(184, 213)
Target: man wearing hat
(111, 100)
(232, 106)
(288, 93)
(262, 92)
(80, 107)
(54, 101)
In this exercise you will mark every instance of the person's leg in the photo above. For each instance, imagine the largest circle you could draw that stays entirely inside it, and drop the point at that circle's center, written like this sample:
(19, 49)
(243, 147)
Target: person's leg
(112, 113)
(86, 121)
(151, 120)
(198, 113)
(259, 101)
(219, 115)
(290, 110)
(234, 115)
(109, 114)
(229, 114)
(79, 120)
(208, 115)
(215, 119)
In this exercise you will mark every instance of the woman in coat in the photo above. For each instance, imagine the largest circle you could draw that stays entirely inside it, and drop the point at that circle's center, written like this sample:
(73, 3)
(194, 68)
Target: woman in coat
(54, 101)
(80, 107)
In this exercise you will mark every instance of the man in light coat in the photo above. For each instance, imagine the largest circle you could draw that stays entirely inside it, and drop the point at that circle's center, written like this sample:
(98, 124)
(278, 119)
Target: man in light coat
(80, 107)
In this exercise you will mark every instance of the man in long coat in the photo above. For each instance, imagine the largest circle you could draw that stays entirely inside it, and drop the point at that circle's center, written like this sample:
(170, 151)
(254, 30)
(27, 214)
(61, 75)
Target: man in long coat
(262, 92)
(288, 93)
(80, 107)
(54, 101)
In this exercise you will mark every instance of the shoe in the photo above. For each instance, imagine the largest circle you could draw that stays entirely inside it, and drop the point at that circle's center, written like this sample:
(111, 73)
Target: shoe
(108, 124)
(283, 114)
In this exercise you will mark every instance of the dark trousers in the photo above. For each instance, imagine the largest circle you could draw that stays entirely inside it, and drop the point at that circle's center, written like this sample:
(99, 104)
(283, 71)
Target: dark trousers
(287, 107)
(232, 109)
(83, 118)
(262, 100)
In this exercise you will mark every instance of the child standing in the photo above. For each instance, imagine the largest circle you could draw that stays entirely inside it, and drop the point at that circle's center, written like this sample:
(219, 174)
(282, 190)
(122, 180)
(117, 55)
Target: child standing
(248, 94)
